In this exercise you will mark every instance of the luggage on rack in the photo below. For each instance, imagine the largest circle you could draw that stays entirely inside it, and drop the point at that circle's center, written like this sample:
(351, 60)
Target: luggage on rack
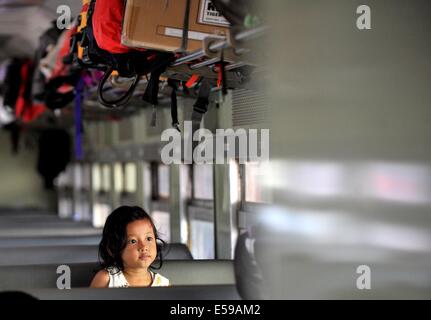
(25, 109)
(47, 41)
(171, 25)
(61, 77)
(17, 91)
(103, 50)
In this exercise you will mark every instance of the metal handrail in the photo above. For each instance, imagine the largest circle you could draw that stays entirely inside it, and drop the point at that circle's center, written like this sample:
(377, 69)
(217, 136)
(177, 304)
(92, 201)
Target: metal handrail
(220, 45)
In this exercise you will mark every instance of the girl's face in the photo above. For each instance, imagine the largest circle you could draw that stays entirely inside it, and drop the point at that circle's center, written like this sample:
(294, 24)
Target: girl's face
(141, 249)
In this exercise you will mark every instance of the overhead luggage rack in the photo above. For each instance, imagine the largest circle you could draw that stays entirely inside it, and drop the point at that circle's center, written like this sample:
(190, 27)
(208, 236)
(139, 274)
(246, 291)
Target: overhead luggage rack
(219, 45)
(197, 62)
(215, 46)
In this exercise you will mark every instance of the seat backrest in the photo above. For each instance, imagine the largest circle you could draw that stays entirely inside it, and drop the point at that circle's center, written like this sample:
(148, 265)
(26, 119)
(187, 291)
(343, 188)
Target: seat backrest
(42, 254)
(213, 292)
(177, 251)
(14, 226)
(179, 272)
(45, 276)
(48, 255)
(49, 241)
(183, 272)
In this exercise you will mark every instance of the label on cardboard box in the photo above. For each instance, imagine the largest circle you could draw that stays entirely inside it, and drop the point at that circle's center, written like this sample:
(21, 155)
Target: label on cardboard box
(178, 33)
(210, 15)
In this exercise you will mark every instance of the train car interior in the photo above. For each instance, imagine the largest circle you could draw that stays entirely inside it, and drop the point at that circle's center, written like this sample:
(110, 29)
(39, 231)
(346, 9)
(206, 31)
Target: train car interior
(215, 149)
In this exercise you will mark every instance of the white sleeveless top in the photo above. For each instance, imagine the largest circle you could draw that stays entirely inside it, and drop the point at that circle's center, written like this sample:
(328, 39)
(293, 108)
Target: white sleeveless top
(118, 280)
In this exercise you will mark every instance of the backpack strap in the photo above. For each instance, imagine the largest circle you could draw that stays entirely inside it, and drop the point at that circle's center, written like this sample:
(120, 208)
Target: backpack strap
(174, 105)
(200, 108)
(120, 102)
(151, 94)
(152, 91)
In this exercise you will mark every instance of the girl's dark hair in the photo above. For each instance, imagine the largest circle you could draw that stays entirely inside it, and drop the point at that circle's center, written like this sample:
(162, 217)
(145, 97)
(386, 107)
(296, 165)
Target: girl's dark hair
(114, 238)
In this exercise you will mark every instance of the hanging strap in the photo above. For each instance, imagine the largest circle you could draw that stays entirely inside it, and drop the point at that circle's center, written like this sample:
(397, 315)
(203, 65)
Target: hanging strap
(174, 104)
(152, 91)
(200, 108)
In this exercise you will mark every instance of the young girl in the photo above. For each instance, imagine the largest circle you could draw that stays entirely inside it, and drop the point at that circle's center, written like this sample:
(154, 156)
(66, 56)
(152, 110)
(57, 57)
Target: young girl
(127, 250)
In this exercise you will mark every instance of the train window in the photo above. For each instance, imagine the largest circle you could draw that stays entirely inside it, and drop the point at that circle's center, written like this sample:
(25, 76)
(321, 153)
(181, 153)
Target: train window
(254, 196)
(65, 207)
(100, 213)
(77, 176)
(253, 188)
(65, 193)
(203, 182)
(82, 210)
(146, 186)
(163, 181)
(160, 207)
(202, 239)
(86, 177)
(96, 175)
(118, 177)
(106, 178)
(101, 186)
(128, 196)
(162, 222)
(130, 178)
(201, 213)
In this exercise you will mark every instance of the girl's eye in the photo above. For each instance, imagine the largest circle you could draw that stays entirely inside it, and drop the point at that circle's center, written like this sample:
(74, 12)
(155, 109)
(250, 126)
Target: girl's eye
(133, 241)
(149, 239)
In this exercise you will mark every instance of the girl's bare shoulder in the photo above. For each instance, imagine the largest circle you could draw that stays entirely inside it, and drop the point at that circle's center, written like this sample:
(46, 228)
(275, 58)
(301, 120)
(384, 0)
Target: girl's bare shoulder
(100, 280)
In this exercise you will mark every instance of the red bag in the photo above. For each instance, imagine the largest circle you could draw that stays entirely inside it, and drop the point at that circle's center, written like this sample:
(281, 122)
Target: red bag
(107, 25)
(24, 107)
(103, 50)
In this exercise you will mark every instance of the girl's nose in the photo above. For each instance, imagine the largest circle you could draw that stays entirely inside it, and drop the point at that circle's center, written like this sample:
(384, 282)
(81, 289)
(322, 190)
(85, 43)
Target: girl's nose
(143, 248)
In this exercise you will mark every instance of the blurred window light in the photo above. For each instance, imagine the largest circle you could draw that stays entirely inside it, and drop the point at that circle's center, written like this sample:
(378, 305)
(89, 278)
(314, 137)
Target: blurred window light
(343, 230)
(202, 239)
(96, 177)
(203, 182)
(86, 176)
(65, 207)
(320, 179)
(404, 183)
(162, 223)
(163, 181)
(100, 213)
(78, 175)
(118, 177)
(130, 176)
(106, 178)
(255, 189)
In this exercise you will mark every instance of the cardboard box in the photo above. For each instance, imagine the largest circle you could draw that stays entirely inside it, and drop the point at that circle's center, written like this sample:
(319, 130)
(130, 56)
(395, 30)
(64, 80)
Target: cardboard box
(158, 24)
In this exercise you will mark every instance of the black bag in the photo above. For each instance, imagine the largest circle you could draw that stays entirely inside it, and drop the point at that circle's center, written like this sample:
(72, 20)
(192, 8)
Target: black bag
(54, 154)
(12, 83)
(48, 38)
(237, 12)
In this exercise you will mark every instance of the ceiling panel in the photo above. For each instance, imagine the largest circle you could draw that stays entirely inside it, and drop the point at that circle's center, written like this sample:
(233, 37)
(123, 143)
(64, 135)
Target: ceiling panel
(23, 21)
